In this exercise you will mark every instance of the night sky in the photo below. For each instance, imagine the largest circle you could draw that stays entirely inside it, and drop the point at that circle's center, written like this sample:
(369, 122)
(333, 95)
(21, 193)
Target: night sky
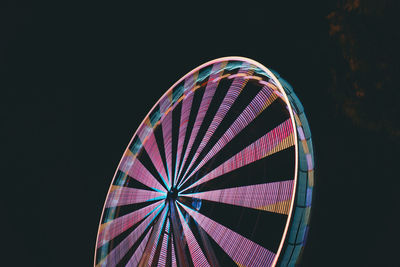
(77, 80)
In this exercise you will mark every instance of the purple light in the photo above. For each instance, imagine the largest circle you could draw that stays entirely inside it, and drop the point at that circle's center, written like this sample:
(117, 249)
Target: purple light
(113, 228)
(135, 169)
(120, 196)
(232, 94)
(273, 197)
(242, 250)
(260, 102)
(122, 248)
(204, 105)
(276, 140)
(195, 251)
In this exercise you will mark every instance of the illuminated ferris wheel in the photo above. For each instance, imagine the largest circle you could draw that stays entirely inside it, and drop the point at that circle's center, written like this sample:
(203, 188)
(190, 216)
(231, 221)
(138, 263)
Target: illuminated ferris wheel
(219, 173)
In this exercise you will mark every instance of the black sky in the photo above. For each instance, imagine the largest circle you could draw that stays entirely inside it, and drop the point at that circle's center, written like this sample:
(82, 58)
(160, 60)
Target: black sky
(77, 80)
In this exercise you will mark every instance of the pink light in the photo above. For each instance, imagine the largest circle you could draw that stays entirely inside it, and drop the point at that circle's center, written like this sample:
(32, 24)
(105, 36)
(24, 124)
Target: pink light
(242, 250)
(165, 103)
(167, 132)
(309, 162)
(238, 75)
(276, 140)
(150, 144)
(261, 101)
(230, 97)
(196, 253)
(185, 113)
(215, 80)
(301, 133)
(271, 197)
(152, 244)
(110, 230)
(258, 78)
(120, 196)
(173, 257)
(135, 259)
(162, 261)
(134, 168)
(204, 105)
(279, 94)
(114, 257)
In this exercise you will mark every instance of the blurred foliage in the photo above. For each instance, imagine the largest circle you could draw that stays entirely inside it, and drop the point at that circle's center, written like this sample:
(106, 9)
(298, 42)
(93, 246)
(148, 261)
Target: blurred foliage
(365, 75)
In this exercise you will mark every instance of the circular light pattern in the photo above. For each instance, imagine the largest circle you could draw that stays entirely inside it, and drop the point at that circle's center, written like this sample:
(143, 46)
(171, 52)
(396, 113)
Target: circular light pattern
(219, 173)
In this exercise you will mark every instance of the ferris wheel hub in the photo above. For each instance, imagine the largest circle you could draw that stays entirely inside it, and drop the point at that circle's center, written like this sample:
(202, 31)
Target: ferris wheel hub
(172, 194)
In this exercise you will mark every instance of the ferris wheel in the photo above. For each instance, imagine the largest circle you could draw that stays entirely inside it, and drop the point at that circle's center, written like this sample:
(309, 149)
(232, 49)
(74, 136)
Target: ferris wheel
(219, 173)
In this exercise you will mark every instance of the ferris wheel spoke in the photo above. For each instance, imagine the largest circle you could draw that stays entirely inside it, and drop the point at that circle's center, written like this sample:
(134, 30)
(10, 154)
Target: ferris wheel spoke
(280, 138)
(208, 249)
(167, 107)
(166, 126)
(114, 257)
(135, 169)
(259, 103)
(184, 121)
(137, 255)
(151, 147)
(196, 253)
(272, 197)
(111, 229)
(204, 105)
(173, 256)
(235, 89)
(178, 251)
(242, 250)
(162, 261)
(120, 196)
(151, 247)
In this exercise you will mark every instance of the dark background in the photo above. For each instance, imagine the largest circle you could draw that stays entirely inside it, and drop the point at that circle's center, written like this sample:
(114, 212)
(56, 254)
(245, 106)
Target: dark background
(77, 80)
